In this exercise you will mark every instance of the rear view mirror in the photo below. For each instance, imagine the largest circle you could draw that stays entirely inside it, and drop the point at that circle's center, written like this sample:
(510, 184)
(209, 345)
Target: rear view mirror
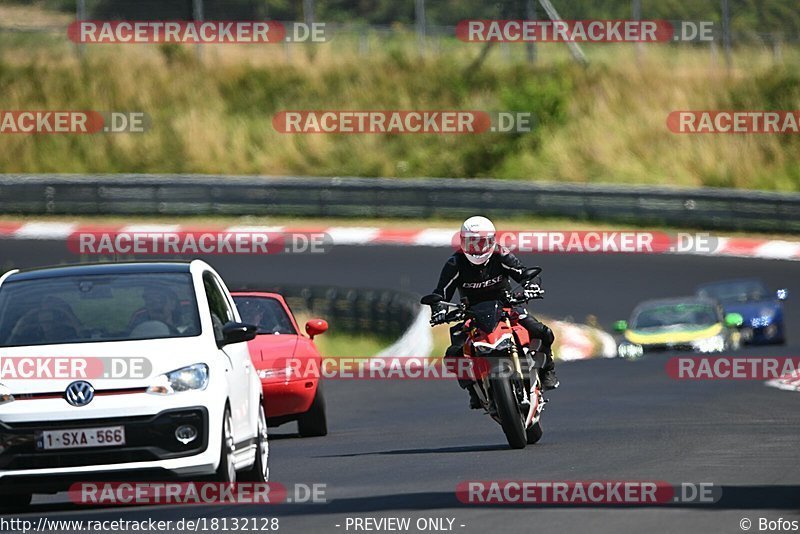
(782, 294)
(620, 326)
(734, 320)
(233, 332)
(430, 300)
(315, 327)
(533, 272)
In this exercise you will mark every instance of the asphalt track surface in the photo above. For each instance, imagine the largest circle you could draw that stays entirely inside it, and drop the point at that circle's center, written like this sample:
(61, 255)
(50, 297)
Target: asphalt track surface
(399, 448)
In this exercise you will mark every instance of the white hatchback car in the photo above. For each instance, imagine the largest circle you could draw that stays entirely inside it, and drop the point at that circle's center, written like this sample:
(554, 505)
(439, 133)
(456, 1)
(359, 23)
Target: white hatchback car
(163, 386)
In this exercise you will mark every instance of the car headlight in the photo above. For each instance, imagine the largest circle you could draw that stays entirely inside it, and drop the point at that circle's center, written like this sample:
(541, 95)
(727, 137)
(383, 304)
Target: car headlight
(710, 344)
(5, 395)
(764, 319)
(285, 373)
(484, 349)
(194, 377)
(630, 351)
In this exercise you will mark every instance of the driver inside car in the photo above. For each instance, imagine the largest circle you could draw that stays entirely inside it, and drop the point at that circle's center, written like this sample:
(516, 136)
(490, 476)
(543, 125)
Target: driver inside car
(262, 313)
(251, 312)
(480, 271)
(53, 321)
(160, 304)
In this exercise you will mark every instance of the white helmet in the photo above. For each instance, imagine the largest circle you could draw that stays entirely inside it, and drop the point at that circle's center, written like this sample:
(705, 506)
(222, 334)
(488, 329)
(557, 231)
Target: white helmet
(478, 239)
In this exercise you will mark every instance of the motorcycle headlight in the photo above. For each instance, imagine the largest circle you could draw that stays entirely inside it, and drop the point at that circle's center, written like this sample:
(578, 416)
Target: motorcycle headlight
(194, 377)
(710, 344)
(504, 344)
(5, 395)
(630, 351)
(484, 349)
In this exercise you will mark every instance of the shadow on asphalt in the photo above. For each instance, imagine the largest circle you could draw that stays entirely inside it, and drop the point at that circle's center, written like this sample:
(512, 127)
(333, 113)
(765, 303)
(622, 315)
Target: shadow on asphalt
(465, 448)
(733, 498)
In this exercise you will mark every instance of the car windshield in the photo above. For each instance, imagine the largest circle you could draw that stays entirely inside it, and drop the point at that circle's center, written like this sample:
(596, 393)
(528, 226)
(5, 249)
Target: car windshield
(268, 314)
(675, 314)
(94, 308)
(743, 291)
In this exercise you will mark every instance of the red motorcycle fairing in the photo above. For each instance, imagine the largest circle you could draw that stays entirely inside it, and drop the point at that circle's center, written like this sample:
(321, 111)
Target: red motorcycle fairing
(520, 334)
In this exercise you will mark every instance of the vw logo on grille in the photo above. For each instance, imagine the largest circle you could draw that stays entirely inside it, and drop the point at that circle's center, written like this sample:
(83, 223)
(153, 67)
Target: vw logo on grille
(79, 393)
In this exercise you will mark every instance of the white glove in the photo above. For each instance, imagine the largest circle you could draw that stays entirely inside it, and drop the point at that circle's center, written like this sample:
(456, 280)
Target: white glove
(533, 291)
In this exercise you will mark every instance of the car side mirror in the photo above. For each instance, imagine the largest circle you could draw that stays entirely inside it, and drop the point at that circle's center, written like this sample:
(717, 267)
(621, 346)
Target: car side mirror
(233, 332)
(315, 327)
(782, 294)
(620, 326)
(734, 320)
(431, 300)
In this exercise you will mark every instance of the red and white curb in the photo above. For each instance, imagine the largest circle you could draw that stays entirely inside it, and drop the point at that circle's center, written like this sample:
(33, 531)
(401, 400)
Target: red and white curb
(788, 382)
(742, 247)
(582, 342)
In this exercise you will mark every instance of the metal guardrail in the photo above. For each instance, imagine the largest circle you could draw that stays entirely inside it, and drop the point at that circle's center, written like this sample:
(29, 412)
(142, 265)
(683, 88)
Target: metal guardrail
(131, 194)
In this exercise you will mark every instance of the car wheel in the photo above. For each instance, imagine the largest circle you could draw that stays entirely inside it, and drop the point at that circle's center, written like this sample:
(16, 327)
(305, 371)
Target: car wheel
(16, 502)
(260, 470)
(314, 422)
(226, 472)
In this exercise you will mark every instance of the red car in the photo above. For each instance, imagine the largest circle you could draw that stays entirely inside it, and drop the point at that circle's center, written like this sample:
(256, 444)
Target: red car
(286, 397)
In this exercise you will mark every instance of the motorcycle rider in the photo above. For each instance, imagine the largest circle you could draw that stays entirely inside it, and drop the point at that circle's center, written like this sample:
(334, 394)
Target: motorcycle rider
(480, 271)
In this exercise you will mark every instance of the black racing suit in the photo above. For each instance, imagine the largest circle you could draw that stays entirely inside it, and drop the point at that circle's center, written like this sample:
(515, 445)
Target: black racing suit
(488, 282)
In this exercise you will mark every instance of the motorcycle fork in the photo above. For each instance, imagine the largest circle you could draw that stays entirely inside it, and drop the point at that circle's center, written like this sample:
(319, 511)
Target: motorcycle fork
(514, 350)
(520, 378)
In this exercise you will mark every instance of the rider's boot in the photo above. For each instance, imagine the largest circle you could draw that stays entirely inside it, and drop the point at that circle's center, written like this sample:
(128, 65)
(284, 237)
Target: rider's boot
(547, 374)
(474, 401)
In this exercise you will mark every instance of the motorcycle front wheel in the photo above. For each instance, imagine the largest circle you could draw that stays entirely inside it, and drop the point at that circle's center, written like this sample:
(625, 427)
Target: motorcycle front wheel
(534, 433)
(508, 411)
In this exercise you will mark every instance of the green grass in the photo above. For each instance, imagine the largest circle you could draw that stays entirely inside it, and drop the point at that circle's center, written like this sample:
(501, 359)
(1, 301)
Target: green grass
(341, 345)
(606, 123)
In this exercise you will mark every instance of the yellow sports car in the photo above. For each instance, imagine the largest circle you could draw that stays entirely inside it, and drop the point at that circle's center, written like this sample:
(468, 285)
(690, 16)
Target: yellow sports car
(684, 324)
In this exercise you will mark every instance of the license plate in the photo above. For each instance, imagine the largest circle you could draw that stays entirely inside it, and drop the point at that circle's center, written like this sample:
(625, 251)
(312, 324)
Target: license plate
(109, 436)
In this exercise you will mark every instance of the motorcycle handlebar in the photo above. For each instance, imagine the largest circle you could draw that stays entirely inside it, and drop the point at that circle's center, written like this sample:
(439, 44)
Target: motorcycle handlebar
(451, 316)
(458, 312)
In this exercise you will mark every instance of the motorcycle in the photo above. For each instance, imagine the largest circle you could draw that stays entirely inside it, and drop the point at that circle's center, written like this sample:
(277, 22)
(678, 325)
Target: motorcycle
(507, 382)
